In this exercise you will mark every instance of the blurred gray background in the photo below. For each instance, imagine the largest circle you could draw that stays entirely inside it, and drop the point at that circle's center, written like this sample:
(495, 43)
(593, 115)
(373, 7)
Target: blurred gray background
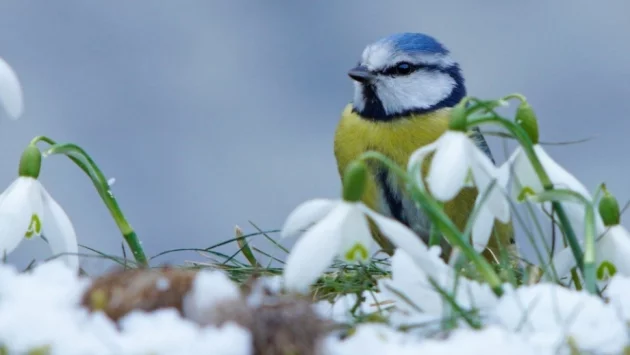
(214, 113)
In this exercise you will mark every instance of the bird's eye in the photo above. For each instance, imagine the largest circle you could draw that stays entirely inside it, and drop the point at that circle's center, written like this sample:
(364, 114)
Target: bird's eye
(403, 68)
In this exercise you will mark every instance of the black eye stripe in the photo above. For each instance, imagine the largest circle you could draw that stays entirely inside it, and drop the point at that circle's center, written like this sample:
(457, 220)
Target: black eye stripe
(398, 69)
(393, 70)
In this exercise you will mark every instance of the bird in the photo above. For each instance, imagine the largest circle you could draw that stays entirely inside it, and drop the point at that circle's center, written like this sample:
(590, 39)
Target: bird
(405, 86)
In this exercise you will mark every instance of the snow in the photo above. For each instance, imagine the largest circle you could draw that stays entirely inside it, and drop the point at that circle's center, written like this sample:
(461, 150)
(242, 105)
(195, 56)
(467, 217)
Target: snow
(551, 315)
(209, 289)
(378, 339)
(41, 309)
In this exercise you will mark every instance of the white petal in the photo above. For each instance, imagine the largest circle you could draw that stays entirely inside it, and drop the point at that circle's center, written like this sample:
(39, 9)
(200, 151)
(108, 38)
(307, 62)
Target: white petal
(355, 230)
(561, 178)
(483, 170)
(313, 253)
(563, 262)
(417, 159)
(614, 247)
(19, 202)
(410, 282)
(450, 166)
(58, 229)
(558, 175)
(485, 173)
(10, 91)
(405, 239)
(305, 215)
(504, 171)
(482, 229)
(523, 173)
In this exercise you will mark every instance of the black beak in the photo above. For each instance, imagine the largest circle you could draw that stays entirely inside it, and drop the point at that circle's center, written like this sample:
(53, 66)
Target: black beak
(360, 74)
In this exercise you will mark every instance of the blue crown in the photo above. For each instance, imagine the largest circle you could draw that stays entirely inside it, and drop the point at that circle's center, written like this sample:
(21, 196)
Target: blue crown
(415, 43)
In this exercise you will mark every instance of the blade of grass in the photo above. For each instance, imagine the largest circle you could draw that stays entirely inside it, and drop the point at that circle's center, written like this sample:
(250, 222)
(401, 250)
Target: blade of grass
(245, 249)
(269, 238)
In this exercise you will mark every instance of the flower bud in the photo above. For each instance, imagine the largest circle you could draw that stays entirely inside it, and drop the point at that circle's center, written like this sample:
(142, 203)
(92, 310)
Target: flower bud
(30, 162)
(458, 121)
(526, 118)
(354, 180)
(609, 208)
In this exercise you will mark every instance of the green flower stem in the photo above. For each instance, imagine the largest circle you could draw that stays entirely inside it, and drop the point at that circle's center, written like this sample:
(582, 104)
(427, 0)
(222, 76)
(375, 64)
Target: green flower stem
(449, 230)
(434, 236)
(590, 275)
(588, 266)
(527, 146)
(516, 96)
(51, 142)
(83, 160)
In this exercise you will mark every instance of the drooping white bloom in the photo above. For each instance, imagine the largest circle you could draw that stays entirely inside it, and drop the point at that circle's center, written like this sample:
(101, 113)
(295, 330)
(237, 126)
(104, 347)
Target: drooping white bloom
(28, 210)
(613, 247)
(335, 228)
(10, 91)
(525, 177)
(456, 160)
(416, 299)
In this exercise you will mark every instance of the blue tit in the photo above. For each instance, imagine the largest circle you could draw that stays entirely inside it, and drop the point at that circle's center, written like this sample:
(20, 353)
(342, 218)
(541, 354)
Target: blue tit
(405, 86)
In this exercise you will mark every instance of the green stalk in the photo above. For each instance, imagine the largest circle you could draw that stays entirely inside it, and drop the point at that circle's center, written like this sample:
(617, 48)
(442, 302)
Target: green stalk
(527, 146)
(434, 236)
(51, 142)
(445, 225)
(85, 162)
(590, 275)
(588, 261)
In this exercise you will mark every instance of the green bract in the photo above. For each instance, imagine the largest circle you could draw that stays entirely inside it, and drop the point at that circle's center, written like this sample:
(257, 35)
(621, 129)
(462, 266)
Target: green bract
(30, 162)
(609, 209)
(526, 118)
(354, 181)
(458, 117)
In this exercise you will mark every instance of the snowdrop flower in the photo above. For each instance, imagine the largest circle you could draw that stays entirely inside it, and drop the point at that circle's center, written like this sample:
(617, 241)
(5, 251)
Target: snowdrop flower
(612, 255)
(526, 177)
(28, 210)
(612, 247)
(338, 228)
(458, 158)
(10, 91)
(416, 299)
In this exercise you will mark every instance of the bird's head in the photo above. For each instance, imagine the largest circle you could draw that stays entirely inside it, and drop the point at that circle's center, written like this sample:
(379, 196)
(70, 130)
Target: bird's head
(405, 73)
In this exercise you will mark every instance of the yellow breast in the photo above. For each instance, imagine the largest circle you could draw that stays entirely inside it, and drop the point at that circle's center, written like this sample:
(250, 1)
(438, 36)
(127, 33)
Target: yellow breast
(398, 139)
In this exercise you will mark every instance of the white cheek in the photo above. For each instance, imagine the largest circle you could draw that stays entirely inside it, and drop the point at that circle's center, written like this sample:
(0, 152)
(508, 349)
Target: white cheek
(420, 90)
(359, 100)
